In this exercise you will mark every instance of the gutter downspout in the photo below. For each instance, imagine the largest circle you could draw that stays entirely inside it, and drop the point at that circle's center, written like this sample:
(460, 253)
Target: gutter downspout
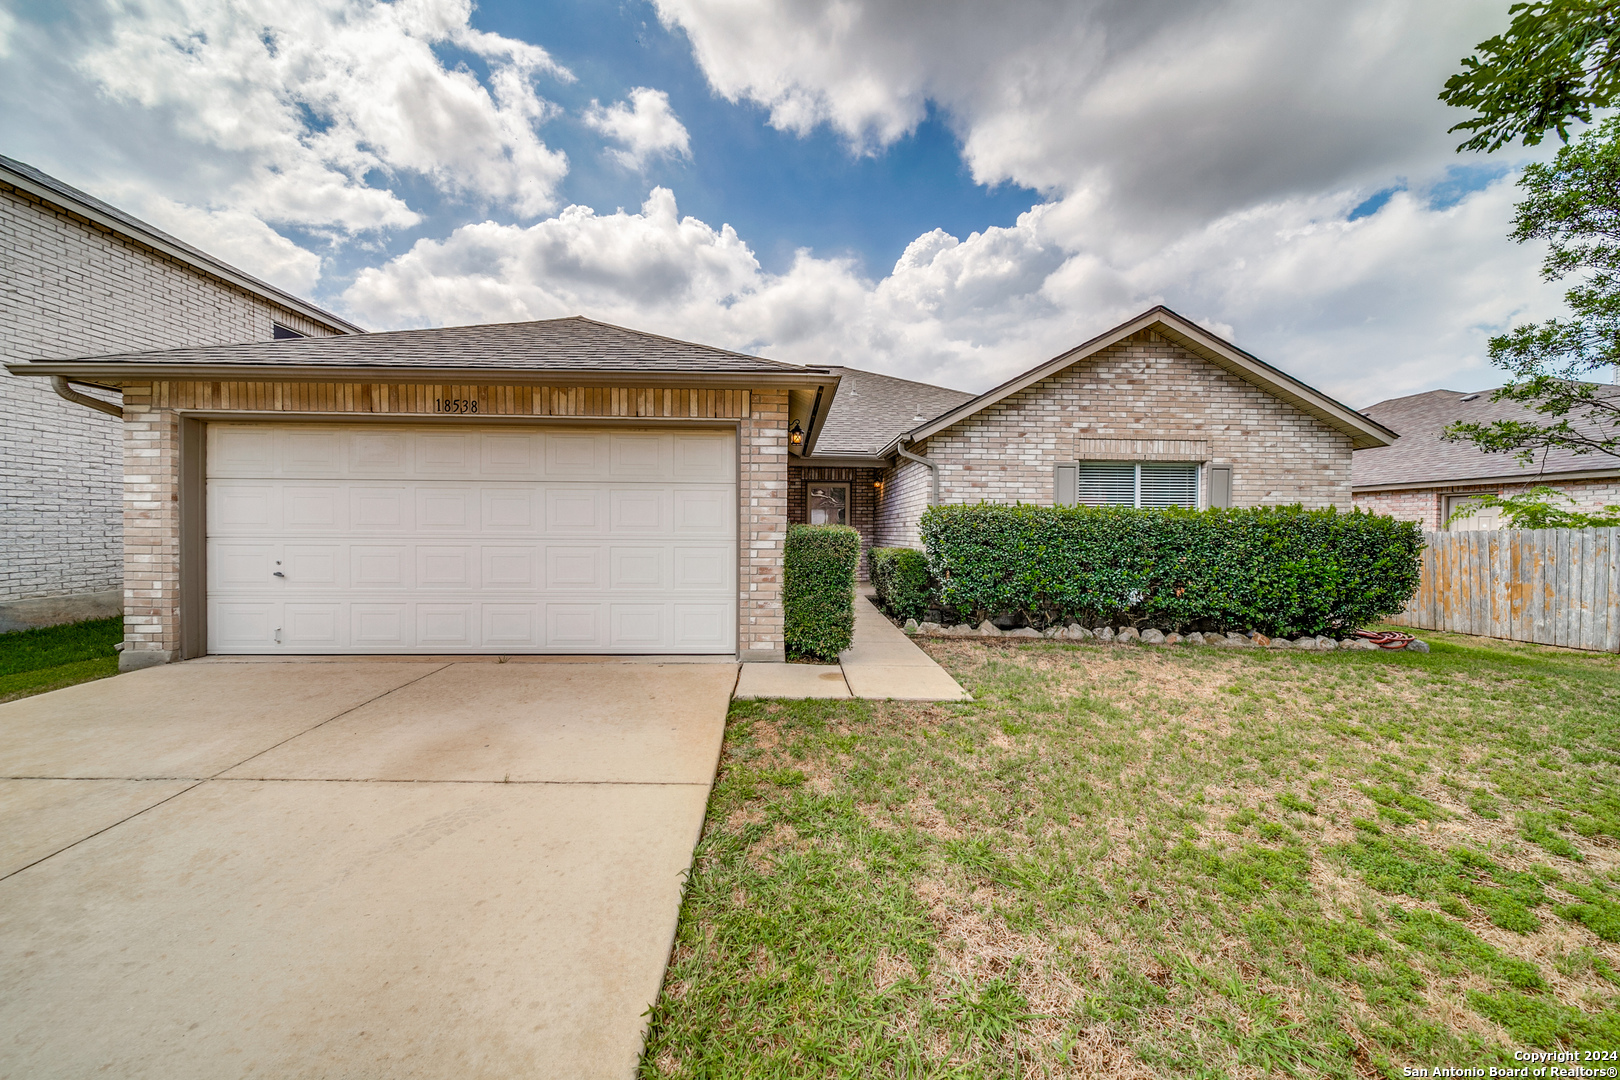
(59, 383)
(932, 466)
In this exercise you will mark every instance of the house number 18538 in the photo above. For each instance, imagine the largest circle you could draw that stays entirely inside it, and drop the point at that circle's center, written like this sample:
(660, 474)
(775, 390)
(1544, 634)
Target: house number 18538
(456, 405)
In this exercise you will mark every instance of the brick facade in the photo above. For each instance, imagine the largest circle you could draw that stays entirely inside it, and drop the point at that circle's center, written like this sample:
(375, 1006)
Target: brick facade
(69, 288)
(863, 498)
(1427, 506)
(152, 414)
(1143, 398)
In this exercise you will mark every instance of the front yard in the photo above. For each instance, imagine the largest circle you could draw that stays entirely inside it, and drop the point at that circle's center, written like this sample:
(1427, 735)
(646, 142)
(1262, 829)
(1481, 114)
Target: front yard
(1128, 861)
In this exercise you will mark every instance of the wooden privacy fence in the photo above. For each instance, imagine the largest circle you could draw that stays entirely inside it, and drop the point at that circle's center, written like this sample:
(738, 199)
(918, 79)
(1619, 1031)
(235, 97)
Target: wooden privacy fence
(1550, 586)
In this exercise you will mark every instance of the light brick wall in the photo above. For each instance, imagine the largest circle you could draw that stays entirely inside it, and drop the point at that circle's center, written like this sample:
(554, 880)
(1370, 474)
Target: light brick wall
(1142, 389)
(901, 501)
(70, 288)
(1427, 506)
(152, 477)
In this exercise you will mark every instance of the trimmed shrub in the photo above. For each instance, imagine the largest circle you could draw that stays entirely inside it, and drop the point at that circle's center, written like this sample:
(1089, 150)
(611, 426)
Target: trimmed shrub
(1279, 570)
(818, 589)
(900, 576)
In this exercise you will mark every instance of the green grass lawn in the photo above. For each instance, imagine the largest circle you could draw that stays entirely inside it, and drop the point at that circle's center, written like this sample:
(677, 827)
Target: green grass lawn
(34, 661)
(1128, 861)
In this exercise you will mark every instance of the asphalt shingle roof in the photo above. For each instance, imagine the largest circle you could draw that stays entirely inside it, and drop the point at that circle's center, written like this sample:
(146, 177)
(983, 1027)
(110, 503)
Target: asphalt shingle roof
(573, 344)
(871, 409)
(1419, 457)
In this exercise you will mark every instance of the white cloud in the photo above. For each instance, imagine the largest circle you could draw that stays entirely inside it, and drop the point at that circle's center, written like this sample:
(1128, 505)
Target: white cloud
(646, 125)
(1181, 108)
(240, 239)
(1365, 309)
(315, 107)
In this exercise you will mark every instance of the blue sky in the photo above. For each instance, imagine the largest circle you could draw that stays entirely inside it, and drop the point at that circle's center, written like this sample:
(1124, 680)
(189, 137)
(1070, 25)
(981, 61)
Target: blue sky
(952, 198)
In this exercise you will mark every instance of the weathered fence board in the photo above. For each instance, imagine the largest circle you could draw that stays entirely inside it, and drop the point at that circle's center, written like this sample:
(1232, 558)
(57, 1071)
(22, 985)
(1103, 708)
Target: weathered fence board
(1552, 586)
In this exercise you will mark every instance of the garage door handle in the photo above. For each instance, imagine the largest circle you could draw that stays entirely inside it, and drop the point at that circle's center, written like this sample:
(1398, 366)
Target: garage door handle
(278, 573)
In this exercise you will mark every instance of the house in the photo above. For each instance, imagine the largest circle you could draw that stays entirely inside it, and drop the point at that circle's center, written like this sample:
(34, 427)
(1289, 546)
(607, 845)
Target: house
(1426, 479)
(553, 486)
(570, 486)
(1156, 412)
(79, 277)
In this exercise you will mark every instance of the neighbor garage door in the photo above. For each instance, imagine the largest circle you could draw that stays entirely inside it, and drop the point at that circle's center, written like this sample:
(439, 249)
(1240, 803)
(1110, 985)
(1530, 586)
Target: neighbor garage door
(448, 538)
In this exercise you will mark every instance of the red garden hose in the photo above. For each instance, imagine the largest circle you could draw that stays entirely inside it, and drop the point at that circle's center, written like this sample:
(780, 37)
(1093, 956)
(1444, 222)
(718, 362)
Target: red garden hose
(1386, 639)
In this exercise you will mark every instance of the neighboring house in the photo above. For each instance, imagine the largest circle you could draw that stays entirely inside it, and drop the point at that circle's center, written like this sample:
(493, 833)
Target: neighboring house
(79, 277)
(1425, 479)
(568, 486)
(1155, 412)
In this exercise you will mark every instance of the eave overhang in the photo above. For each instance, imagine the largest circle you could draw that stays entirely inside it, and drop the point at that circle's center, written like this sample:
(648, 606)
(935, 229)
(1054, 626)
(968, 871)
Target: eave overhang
(1550, 479)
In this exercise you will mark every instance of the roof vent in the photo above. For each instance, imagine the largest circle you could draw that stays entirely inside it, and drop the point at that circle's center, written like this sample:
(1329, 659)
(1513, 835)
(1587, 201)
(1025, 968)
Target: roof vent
(1469, 397)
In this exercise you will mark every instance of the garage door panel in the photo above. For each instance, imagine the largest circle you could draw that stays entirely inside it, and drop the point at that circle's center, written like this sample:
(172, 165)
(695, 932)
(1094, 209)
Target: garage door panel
(449, 626)
(232, 565)
(509, 568)
(705, 567)
(308, 451)
(375, 508)
(640, 568)
(314, 626)
(380, 626)
(510, 626)
(314, 565)
(512, 456)
(239, 508)
(444, 508)
(376, 452)
(703, 511)
(242, 625)
(575, 455)
(572, 568)
(508, 509)
(575, 510)
(701, 626)
(640, 456)
(313, 508)
(497, 540)
(638, 510)
(638, 626)
(574, 626)
(380, 567)
(241, 451)
(447, 568)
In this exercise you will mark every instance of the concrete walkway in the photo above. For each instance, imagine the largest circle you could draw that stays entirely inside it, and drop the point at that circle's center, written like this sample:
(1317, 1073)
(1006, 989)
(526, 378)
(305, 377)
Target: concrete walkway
(882, 662)
(407, 868)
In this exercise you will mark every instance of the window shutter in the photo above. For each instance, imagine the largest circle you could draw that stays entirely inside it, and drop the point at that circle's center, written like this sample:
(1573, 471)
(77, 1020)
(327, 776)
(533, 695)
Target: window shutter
(1168, 485)
(1065, 486)
(1220, 486)
(1107, 483)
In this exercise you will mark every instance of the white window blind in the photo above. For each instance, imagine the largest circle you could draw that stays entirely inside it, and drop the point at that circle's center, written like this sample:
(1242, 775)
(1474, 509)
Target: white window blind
(1167, 485)
(1107, 483)
(1150, 484)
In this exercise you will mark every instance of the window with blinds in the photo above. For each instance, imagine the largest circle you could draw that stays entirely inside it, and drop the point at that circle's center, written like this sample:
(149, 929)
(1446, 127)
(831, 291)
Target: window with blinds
(1148, 484)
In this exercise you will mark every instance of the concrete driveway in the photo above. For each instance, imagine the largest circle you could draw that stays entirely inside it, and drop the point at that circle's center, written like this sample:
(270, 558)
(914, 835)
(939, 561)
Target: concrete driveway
(347, 869)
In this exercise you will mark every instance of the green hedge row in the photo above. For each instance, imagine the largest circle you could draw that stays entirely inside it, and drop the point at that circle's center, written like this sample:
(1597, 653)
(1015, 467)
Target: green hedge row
(900, 575)
(1280, 570)
(818, 589)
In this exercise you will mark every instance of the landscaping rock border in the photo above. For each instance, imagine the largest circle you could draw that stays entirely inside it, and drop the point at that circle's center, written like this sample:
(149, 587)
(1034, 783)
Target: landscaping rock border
(1150, 636)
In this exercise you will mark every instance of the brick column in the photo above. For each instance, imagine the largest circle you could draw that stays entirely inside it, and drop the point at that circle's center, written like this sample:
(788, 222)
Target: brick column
(151, 531)
(762, 490)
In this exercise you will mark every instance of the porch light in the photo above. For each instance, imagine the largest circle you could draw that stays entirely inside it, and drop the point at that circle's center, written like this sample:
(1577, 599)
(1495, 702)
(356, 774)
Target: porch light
(795, 434)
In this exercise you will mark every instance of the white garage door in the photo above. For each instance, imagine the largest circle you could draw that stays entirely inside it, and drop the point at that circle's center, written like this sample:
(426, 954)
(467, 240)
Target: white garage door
(384, 539)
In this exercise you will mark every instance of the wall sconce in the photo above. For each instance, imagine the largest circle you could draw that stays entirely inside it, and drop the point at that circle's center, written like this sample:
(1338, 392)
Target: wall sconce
(796, 434)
